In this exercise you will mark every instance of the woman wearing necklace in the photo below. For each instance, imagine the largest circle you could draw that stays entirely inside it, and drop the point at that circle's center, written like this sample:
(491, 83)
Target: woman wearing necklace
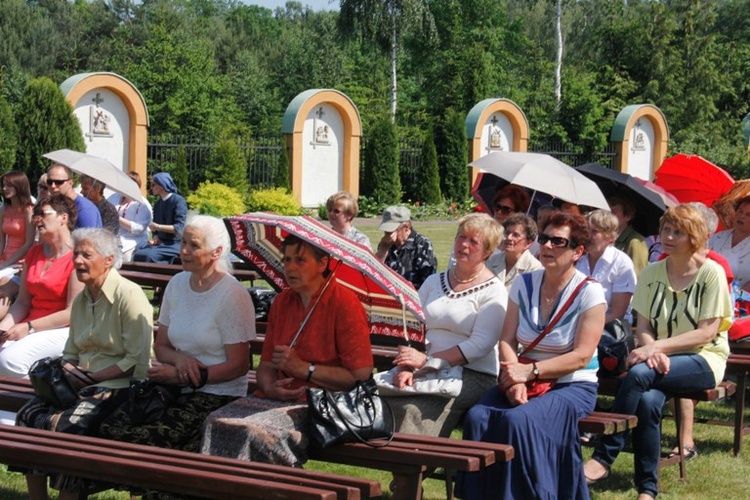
(205, 324)
(464, 312)
(559, 315)
(684, 312)
(109, 345)
(36, 324)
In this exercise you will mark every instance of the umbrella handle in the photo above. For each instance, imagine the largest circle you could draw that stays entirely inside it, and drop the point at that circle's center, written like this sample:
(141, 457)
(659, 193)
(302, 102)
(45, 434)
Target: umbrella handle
(403, 318)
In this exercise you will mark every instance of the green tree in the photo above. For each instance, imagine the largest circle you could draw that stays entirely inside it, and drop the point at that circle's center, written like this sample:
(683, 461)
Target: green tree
(8, 137)
(381, 177)
(385, 22)
(228, 165)
(48, 124)
(452, 150)
(428, 177)
(281, 179)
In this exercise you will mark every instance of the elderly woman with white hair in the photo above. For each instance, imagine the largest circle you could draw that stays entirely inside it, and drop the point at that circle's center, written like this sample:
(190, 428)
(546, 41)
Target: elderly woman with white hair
(108, 346)
(205, 324)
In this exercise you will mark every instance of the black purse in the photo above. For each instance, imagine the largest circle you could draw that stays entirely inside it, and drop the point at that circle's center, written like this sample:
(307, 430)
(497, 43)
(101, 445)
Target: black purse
(147, 401)
(614, 348)
(357, 414)
(47, 377)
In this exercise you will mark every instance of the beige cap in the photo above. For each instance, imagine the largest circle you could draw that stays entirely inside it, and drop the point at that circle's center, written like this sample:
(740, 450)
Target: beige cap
(393, 217)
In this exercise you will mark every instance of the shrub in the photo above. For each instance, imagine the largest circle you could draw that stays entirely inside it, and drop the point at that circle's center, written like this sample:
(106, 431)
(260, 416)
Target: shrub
(274, 200)
(216, 199)
(453, 156)
(8, 137)
(427, 189)
(381, 178)
(228, 164)
(47, 123)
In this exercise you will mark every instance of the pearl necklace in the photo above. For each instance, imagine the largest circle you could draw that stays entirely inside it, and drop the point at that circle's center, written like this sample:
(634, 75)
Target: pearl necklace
(469, 280)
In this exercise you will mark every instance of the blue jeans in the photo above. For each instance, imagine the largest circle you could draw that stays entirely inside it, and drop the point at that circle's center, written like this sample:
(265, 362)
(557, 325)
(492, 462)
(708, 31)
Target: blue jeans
(643, 393)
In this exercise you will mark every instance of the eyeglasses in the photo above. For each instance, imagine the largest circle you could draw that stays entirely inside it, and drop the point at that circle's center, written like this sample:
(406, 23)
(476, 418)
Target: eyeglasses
(503, 209)
(556, 241)
(57, 182)
(42, 215)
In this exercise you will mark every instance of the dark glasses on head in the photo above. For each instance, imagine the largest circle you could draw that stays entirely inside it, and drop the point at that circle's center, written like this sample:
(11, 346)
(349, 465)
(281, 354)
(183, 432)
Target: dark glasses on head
(503, 209)
(57, 182)
(556, 241)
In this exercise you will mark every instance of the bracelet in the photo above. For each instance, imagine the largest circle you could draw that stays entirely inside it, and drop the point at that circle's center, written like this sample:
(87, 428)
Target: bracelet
(204, 378)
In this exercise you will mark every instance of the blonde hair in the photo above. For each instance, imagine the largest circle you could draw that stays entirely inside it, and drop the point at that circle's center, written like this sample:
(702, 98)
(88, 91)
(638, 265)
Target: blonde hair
(603, 221)
(484, 224)
(690, 221)
(351, 207)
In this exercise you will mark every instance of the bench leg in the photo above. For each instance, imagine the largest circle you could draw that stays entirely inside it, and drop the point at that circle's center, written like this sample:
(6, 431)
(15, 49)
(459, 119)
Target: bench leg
(739, 412)
(407, 486)
(680, 440)
(449, 476)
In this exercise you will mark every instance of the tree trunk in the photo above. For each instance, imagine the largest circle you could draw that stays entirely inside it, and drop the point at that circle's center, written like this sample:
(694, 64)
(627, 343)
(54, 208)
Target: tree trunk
(394, 54)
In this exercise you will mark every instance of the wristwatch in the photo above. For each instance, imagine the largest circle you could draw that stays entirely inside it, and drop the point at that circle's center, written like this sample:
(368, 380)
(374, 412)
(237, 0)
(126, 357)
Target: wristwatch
(310, 371)
(535, 370)
(31, 328)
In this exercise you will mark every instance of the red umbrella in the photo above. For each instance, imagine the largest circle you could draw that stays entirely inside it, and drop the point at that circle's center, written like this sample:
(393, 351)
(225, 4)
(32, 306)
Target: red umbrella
(392, 304)
(692, 178)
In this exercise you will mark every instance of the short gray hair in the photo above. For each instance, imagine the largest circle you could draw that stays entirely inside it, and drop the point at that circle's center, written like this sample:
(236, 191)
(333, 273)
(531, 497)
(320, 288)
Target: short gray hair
(712, 220)
(105, 243)
(216, 236)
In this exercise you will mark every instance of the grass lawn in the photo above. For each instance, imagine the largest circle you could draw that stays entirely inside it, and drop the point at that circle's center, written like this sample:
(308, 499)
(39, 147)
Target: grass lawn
(715, 474)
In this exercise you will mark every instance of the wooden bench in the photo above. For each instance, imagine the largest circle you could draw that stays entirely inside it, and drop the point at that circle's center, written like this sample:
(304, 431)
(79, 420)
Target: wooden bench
(241, 270)
(738, 365)
(174, 471)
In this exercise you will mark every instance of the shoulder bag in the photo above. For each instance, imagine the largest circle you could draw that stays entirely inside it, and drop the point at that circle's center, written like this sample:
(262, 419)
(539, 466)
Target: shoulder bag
(357, 414)
(538, 387)
(47, 377)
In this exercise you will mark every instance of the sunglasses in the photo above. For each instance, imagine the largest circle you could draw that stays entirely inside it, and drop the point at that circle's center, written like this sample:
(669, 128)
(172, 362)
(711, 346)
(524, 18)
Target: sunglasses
(57, 182)
(503, 209)
(556, 241)
(42, 215)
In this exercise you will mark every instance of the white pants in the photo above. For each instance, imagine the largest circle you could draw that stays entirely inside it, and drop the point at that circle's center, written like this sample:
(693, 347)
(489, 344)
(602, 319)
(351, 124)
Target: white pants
(17, 356)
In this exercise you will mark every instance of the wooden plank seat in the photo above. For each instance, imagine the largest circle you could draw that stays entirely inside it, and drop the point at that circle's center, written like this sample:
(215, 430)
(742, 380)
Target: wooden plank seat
(609, 385)
(606, 423)
(175, 471)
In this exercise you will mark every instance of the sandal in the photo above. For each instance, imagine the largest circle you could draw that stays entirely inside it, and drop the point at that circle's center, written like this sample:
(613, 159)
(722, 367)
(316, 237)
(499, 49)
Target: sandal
(593, 480)
(691, 452)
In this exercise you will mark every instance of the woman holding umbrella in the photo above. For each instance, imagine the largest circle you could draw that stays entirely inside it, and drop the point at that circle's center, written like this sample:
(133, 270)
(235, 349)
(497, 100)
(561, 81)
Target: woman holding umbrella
(317, 336)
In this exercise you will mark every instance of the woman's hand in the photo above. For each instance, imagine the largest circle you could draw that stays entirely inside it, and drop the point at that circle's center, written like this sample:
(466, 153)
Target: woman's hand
(409, 357)
(516, 394)
(650, 355)
(15, 332)
(279, 390)
(188, 370)
(403, 378)
(165, 374)
(287, 360)
(513, 372)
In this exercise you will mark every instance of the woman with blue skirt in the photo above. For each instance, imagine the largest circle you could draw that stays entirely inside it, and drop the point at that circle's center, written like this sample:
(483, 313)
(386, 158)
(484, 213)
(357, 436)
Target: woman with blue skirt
(556, 317)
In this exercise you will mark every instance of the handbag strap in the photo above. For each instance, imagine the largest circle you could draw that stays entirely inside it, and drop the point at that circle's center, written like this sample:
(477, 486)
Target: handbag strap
(351, 428)
(558, 316)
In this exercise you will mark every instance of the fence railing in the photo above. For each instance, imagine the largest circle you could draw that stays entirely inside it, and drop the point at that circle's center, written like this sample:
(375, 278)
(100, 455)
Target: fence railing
(263, 156)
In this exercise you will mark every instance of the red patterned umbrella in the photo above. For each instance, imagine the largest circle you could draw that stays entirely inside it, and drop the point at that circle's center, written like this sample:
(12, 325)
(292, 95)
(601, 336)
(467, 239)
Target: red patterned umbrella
(391, 302)
(692, 178)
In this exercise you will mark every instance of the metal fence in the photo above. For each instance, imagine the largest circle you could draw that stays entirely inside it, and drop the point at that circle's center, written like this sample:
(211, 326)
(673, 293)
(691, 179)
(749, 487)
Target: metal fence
(264, 156)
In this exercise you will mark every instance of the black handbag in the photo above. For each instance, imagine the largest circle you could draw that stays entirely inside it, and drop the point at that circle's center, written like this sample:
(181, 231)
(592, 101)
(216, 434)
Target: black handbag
(47, 377)
(357, 414)
(148, 400)
(614, 347)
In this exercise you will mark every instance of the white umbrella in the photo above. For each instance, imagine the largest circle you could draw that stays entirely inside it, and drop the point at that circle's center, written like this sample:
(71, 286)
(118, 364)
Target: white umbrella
(97, 168)
(544, 173)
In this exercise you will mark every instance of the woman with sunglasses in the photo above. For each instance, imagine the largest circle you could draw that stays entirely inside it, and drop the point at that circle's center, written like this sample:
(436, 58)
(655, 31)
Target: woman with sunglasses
(510, 200)
(342, 209)
(544, 429)
(684, 312)
(36, 324)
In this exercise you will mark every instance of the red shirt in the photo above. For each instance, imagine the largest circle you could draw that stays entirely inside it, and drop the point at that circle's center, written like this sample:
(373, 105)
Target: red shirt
(337, 333)
(48, 288)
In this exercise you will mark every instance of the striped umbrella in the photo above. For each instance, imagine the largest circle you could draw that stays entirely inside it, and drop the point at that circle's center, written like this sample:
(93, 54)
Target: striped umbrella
(391, 303)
